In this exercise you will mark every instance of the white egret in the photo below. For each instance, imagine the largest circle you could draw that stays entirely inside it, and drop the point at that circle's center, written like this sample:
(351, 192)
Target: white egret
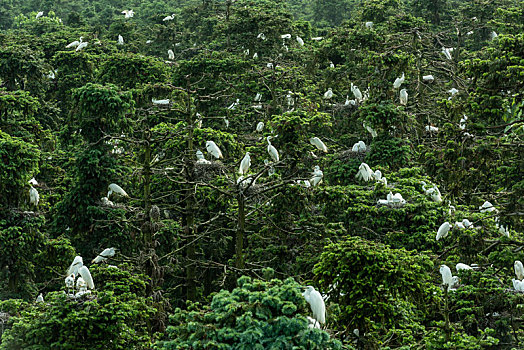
(260, 126)
(33, 182)
(459, 225)
(77, 264)
(290, 99)
(255, 55)
(317, 38)
(370, 130)
(364, 172)
(447, 277)
(74, 43)
(286, 36)
(86, 275)
(359, 147)
(312, 323)
(447, 52)
(258, 97)
(160, 102)
(105, 201)
(331, 64)
(519, 269)
(34, 197)
(51, 74)
(317, 176)
(328, 94)
(213, 149)
(349, 102)
(461, 266)
(120, 40)
(453, 91)
(245, 164)
(106, 253)
(226, 121)
(245, 181)
(493, 35)
(234, 104)
(70, 283)
(369, 24)
(443, 230)
(171, 54)
(81, 46)
(518, 285)
(261, 36)
(273, 153)
(41, 13)
(200, 158)
(403, 97)
(169, 18)
(40, 298)
(128, 13)
(315, 141)
(462, 123)
(429, 78)
(487, 207)
(431, 128)
(269, 65)
(300, 41)
(467, 223)
(117, 189)
(316, 302)
(81, 286)
(356, 92)
(398, 82)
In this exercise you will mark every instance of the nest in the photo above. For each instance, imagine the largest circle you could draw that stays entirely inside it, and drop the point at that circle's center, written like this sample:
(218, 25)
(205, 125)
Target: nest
(208, 171)
(349, 154)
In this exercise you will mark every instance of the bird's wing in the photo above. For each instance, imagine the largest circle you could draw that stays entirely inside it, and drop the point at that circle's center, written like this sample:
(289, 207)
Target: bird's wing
(86, 275)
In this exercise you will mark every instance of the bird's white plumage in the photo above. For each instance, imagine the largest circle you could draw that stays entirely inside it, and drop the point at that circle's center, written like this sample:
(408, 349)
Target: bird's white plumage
(316, 302)
(273, 153)
(260, 126)
(403, 97)
(447, 52)
(213, 149)
(447, 277)
(40, 298)
(364, 172)
(81, 46)
(120, 40)
(461, 266)
(317, 176)
(128, 13)
(300, 41)
(33, 182)
(443, 230)
(160, 102)
(519, 269)
(398, 82)
(171, 54)
(34, 197)
(315, 141)
(245, 164)
(106, 253)
(356, 92)
(77, 264)
(360, 146)
(116, 189)
(429, 78)
(86, 275)
(328, 94)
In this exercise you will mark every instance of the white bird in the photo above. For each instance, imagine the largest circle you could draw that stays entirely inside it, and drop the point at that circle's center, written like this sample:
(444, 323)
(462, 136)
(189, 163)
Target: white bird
(234, 104)
(160, 102)
(403, 97)
(459, 225)
(41, 13)
(269, 65)
(213, 149)
(331, 64)
(200, 158)
(429, 78)
(290, 99)
(86, 275)
(393, 200)
(261, 36)
(431, 128)
(312, 323)
(245, 181)
(260, 126)
(462, 123)
(77, 264)
(370, 130)
(461, 266)
(273, 153)
(369, 24)
(51, 74)
(40, 298)
(315, 141)
(128, 13)
(105, 201)
(519, 269)
(171, 54)
(356, 92)
(120, 40)
(106, 253)
(316, 302)
(81, 46)
(443, 230)
(317, 38)
(81, 286)
(300, 41)
(447, 52)
(364, 172)
(70, 283)
(317, 176)
(487, 207)
(447, 277)
(286, 36)
(466, 223)
(258, 97)
(74, 43)
(492, 35)
(245, 164)
(34, 197)
(398, 82)
(117, 189)
(360, 146)
(453, 92)
(349, 102)
(255, 55)
(328, 94)
(169, 18)
(518, 285)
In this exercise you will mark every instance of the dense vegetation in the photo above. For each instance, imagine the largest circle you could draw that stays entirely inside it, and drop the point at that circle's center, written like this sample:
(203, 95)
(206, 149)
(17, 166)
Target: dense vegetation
(207, 258)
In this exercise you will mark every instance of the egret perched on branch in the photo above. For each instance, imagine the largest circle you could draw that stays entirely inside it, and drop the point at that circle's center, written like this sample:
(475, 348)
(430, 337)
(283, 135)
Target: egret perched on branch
(128, 13)
(213, 149)
(443, 230)
(260, 126)
(74, 43)
(364, 172)
(518, 285)
(120, 40)
(70, 283)
(317, 176)
(447, 277)
(429, 78)
(33, 182)
(34, 197)
(492, 35)
(370, 130)
(245, 164)
(258, 97)
(300, 41)
(317, 38)
(431, 128)
(41, 13)
(273, 153)
(466, 223)
(106, 253)
(447, 52)
(261, 36)
(369, 25)
(398, 82)
(462, 123)
(40, 298)
(169, 18)
(117, 189)
(160, 102)
(77, 264)
(461, 266)
(81, 46)
(286, 36)
(316, 302)
(86, 275)
(171, 54)
(315, 141)
(200, 158)
(359, 147)
(328, 94)
(487, 207)
(519, 269)
(403, 97)
(356, 92)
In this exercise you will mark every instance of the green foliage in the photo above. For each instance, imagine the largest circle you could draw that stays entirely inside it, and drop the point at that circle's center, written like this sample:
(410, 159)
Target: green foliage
(255, 315)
